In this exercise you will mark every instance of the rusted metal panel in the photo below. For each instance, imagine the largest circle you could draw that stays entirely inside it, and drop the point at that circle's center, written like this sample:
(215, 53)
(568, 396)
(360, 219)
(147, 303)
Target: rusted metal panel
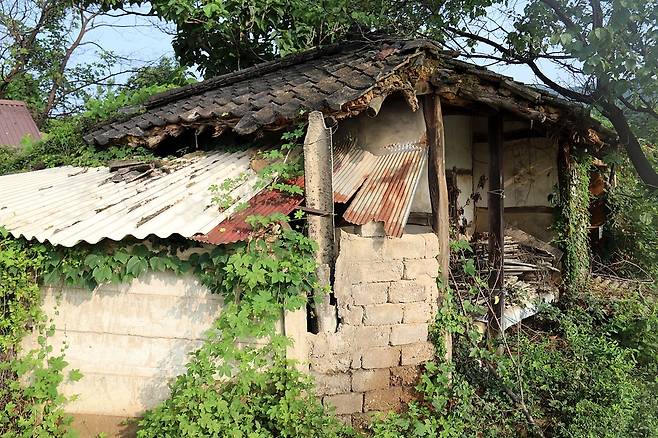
(236, 229)
(68, 205)
(388, 191)
(15, 123)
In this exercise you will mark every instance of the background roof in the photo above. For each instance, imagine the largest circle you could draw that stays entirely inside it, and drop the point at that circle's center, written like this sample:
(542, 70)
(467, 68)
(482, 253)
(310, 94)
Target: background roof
(15, 123)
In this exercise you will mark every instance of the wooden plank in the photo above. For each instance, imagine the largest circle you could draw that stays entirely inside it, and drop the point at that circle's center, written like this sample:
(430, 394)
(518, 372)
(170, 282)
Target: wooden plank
(496, 223)
(318, 191)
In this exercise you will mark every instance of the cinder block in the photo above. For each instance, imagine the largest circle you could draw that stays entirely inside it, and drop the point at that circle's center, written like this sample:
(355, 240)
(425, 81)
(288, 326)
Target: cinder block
(417, 268)
(383, 314)
(417, 312)
(345, 403)
(355, 247)
(370, 293)
(431, 245)
(331, 364)
(409, 246)
(414, 354)
(380, 357)
(372, 336)
(406, 291)
(376, 271)
(383, 400)
(355, 362)
(351, 315)
(330, 384)
(408, 334)
(369, 380)
(407, 375)
(371, 229)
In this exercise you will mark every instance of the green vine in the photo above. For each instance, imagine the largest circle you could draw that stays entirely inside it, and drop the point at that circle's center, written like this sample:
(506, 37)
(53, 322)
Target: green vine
(244, 356)
(30, 405)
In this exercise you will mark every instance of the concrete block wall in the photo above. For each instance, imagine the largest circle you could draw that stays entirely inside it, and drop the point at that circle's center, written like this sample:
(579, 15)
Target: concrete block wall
(128, 340)
(386, 296)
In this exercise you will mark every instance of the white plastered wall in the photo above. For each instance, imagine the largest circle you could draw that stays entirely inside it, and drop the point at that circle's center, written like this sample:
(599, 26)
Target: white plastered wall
(530, 174)
(398, 123)
(130, 340)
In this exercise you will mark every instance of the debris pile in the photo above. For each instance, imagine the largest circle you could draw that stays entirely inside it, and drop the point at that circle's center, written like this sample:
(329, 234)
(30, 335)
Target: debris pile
(531, 266)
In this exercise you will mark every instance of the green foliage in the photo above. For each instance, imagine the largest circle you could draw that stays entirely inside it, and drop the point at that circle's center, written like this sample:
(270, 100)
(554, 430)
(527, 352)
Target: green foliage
(633, 224)
(91, 265)
(248, 390)
(19, 293)
(30, 405)
(259, 280)
(63, 142)
(585, 370)
(222, 193)
(219, 36)
(615, 45)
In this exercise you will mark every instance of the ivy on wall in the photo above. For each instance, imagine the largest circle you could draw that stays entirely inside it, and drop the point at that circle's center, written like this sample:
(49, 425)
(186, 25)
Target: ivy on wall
(573, 222)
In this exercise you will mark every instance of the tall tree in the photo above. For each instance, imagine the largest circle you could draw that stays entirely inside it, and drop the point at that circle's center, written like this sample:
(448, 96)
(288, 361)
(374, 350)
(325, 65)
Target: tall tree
(219, 36)
(607, 47)
(39, 44)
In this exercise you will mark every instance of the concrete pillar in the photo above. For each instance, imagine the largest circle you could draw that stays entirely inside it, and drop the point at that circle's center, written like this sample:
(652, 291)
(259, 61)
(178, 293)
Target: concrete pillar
(318, 183)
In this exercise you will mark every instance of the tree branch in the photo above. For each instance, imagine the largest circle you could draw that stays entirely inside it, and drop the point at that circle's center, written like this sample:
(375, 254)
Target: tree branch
(585, 98)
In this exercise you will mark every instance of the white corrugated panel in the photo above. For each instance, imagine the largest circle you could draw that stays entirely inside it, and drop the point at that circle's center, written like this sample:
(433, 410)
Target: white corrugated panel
(68, 205)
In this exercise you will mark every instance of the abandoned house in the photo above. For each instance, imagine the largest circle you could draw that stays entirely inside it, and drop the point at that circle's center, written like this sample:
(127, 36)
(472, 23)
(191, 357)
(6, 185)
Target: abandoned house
(403, 141)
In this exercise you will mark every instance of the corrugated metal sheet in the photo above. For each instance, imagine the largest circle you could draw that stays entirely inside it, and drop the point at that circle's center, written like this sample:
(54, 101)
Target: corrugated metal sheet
(15, 123)
(236, 229)
(388, 190)
(68, 205)
(352, 165)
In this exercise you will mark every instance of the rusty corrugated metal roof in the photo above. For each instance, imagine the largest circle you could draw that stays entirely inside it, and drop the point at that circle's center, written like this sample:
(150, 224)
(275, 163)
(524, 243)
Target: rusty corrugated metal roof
(15, 123)
(68, 205)
(236, 229)
(389, 188)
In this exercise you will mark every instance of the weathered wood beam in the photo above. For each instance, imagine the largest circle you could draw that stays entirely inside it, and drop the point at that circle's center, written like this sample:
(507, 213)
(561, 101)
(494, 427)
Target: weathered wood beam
(496, 206)
(438, 188)
(318, 187)
(437, 177)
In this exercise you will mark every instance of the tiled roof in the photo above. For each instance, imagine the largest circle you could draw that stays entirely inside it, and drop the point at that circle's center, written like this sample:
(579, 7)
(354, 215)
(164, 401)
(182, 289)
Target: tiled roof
(339, 80)
(15, 123)
(271, 93)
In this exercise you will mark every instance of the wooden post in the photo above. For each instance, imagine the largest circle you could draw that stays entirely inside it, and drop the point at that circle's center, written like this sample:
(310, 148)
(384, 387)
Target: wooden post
(438, 187)
(496, 206)
(318, 188)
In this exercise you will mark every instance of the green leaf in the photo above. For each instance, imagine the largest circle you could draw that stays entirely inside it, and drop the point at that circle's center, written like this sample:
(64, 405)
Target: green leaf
(75, 375)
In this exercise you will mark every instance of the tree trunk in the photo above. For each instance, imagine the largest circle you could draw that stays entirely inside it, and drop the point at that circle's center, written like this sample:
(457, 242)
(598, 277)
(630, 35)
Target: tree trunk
(626, 136)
